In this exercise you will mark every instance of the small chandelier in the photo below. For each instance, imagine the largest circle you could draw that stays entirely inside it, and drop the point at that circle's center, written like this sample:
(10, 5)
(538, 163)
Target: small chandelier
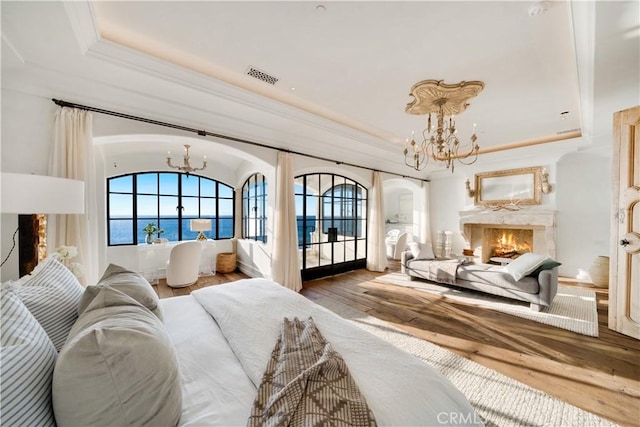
(186, 166)
(440, 138)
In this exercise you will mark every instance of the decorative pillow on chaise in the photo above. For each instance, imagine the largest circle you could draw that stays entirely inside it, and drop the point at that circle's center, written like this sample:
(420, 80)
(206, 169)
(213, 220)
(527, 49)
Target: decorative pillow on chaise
(27, 358)
(117, 368)
(51, 293)
(525, 264)
(547, 265)
(421, 250)
(126, 281)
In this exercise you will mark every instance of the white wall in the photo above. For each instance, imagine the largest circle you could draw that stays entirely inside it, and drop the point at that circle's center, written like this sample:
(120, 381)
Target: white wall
(584, 209)
(581, 196)
(447, 198)
(25, 149)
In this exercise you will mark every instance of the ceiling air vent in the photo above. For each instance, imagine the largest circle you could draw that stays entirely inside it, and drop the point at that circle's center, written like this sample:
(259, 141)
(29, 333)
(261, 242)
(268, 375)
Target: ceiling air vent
(261, 75)
(568, 131)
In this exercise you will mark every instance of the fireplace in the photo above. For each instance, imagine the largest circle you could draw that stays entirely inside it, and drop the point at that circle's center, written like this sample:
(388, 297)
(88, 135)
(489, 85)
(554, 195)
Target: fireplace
(508, 234)
(507, 242)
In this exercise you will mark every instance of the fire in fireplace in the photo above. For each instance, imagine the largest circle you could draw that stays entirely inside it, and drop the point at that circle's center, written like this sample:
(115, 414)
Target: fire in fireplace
(509, 243)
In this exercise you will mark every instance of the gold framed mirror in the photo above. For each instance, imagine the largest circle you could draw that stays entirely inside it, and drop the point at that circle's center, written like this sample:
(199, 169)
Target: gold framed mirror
(509, 187)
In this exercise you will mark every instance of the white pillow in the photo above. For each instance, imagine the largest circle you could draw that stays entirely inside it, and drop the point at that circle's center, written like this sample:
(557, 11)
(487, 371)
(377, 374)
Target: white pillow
(421, 250)
(126, 281)
(51, 293)
(525, 264)
(118, 367)
(27, 358)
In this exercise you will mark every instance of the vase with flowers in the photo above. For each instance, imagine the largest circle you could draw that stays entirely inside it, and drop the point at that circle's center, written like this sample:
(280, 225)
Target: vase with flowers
(65, 255)
(151, 230)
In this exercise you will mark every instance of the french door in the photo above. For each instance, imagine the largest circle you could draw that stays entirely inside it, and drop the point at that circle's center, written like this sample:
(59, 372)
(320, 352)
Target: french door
(332, 224)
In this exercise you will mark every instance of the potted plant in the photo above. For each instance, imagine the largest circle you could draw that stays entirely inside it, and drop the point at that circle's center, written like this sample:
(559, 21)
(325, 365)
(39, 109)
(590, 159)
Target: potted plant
(151, 230)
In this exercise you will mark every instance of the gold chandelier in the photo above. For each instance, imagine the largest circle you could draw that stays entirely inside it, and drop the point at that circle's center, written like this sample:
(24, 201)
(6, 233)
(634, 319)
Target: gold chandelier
(439, 139)
(186, 165)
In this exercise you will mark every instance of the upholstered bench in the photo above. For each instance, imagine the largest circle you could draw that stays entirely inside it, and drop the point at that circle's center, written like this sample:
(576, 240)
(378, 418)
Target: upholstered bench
(536, 282)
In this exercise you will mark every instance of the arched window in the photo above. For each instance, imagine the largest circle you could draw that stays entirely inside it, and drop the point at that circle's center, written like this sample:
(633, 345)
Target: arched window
(343, 202)
(169, 200)
(254, 208)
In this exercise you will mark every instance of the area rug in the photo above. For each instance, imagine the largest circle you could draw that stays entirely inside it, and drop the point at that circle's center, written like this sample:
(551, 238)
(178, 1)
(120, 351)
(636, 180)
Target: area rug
(498, 399)
(573, 309)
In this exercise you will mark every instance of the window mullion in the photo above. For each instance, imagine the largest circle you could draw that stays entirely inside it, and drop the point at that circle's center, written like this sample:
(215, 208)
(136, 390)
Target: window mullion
(134, 199)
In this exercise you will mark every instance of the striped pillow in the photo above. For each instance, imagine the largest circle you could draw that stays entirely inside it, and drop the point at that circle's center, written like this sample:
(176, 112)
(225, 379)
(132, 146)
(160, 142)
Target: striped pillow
(51, 293)
(27, 357)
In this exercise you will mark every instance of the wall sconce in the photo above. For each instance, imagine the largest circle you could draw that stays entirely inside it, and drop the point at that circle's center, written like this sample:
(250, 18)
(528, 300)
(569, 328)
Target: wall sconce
(471, 192)
(545, 186)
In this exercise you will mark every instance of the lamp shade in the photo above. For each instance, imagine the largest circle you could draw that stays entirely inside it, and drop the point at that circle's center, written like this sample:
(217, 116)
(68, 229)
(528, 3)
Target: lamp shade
(38, 194)
(200, 225)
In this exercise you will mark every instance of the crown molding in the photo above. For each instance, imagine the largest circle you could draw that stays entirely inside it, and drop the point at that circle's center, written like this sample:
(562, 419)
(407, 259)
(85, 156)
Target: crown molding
(583, 24)
(83, 22)
(208, 78)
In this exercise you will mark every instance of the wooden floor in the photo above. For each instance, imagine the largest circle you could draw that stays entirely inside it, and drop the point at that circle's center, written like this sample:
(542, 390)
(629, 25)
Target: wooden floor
(600, 375)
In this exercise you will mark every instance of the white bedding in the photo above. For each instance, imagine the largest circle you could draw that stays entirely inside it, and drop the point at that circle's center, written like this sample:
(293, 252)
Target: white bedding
(216, 391)
(222, 361)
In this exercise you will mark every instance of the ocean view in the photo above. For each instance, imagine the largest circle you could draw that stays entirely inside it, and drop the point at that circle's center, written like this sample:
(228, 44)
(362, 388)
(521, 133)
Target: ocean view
(121, 233)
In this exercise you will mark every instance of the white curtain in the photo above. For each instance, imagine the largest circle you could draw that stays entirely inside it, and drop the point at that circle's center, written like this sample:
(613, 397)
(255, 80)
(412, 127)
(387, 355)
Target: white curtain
(72, 157)
(376, 250)
(284, 265)
(425, 223)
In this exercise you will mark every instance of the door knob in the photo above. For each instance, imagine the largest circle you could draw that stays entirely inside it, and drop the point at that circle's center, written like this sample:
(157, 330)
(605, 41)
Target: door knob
(631, 242)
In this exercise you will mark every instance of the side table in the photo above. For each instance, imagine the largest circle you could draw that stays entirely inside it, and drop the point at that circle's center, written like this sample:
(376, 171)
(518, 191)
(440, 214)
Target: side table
(502, 261)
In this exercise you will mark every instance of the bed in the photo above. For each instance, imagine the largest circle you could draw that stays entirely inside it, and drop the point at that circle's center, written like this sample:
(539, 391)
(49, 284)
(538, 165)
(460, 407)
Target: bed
(207, 362)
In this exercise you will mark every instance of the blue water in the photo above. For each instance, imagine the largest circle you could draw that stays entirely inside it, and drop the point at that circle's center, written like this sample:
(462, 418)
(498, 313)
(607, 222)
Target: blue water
(120, 230)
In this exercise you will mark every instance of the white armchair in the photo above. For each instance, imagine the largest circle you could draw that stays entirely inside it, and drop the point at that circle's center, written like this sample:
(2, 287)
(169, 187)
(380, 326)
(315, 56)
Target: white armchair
(401, 245)
(390, 241)
(184, 264)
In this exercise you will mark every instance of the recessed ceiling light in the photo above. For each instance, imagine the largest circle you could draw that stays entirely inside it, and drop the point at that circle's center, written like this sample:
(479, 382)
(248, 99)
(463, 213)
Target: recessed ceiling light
(320, 8)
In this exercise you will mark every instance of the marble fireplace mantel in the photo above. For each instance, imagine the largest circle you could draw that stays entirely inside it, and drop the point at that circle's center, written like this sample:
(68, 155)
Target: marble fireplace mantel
(542, 222)
(522, 217)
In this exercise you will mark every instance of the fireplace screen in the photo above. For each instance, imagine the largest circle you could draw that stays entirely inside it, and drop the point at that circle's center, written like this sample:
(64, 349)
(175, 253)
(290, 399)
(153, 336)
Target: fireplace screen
(507, 242)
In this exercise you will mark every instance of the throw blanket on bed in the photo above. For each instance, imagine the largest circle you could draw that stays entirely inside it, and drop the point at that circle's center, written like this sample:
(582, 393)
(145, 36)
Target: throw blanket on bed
(443, 271)
(307, 383)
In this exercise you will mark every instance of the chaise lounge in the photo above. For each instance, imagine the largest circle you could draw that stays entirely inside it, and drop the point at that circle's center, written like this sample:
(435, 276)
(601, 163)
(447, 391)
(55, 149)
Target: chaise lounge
(532, 278)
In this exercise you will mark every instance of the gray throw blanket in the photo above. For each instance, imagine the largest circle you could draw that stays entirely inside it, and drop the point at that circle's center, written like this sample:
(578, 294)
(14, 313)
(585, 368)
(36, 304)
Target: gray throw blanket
(443, 271)
(307, 383)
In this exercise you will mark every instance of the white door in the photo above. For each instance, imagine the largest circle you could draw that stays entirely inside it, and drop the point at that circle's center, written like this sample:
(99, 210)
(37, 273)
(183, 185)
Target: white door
(624, 292)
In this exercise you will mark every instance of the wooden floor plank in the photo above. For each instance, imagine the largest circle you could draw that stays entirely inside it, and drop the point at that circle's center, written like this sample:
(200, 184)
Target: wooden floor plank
(600, 375)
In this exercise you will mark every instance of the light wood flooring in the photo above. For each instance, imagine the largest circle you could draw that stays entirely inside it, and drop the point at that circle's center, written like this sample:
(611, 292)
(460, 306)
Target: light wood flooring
(600, 375)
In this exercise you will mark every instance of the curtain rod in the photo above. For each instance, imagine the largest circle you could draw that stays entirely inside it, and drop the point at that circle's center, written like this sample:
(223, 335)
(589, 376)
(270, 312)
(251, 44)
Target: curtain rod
(201, 132)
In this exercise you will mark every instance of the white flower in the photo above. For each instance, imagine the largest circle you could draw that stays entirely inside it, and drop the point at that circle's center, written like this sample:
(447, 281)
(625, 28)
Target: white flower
(67, 252)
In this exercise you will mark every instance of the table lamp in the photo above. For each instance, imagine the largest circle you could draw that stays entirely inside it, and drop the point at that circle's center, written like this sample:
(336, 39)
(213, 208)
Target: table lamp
(38, 194)
(26, 194)
(200, 225)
